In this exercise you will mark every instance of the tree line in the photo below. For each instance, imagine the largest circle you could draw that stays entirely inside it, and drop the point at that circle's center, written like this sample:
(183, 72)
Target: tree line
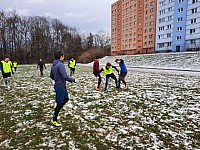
(28, 38)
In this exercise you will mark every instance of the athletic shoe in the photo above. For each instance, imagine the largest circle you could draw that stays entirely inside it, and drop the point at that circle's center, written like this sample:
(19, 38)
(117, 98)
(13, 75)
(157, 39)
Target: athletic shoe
(55, 123)
(98, 89)
(58, 117)
(100, 86)
(104, 91)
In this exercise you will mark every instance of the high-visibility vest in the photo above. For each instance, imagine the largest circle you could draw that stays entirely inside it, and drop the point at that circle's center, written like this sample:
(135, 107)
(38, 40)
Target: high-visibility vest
(72, 63)
(6, 66)
(107, 71)
(15, 64)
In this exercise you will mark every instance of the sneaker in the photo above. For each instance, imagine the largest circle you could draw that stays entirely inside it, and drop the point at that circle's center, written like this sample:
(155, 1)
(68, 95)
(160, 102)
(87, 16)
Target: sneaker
(55, 123)
(58, 117)
(104, 91)
(100, 86)
(98, 89)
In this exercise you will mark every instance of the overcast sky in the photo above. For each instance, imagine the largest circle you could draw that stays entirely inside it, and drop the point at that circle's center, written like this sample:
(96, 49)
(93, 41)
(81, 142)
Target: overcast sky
(86, 15)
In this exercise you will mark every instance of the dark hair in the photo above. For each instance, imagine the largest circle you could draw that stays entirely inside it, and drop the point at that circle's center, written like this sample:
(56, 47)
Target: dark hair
(97, 57)
(117, 60)
(58, 54)
(7, 56)
(108, 64)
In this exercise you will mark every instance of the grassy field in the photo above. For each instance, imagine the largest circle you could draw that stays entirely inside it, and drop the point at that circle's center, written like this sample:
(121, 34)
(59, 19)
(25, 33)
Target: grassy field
(160, 110)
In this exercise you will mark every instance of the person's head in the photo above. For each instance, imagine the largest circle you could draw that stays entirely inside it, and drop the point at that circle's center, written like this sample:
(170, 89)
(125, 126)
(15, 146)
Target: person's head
(59, 55)
(7, 57)
(108, 65)
(117, 61)
(40, 59)
(72, 58)
(98, 58)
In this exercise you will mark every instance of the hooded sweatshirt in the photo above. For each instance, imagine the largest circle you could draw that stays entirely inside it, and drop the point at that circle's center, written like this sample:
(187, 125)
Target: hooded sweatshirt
(58, 74)
(122, 66)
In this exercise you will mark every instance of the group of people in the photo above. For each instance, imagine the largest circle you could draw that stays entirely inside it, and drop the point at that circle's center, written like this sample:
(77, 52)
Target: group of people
(108, 71)
(59, 75)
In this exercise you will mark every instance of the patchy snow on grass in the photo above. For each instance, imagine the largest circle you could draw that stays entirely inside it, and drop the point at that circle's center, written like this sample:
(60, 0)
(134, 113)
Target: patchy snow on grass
(160, 109)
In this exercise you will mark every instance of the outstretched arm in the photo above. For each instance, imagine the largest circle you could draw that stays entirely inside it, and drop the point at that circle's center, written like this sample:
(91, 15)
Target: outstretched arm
(100, 70)
(116, 69)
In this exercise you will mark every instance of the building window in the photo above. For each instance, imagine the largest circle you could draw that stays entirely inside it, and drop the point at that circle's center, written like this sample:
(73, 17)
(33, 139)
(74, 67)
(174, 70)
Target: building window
(162, 3)
(169, 26)
(169, 18)
(179, 28)
(152, 16)
(192, 31)
(169, 35)
(180, 9)
(169, 9)
(193, 41)
(152, 3)
(178, 38)
(194, 10)
(179, 1)
(192, 21)
(180, 19)
(169, 43)
(161, 45)
(152, 10)
(151, 23)
(161, 28)
(151, 29)
(194, 1)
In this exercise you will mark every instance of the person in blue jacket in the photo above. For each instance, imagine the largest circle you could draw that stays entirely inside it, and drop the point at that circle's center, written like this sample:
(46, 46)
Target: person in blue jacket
(59, 75)
(123, 72)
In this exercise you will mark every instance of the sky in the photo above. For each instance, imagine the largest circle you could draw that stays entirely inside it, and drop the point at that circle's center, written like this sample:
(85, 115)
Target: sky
(86, 15)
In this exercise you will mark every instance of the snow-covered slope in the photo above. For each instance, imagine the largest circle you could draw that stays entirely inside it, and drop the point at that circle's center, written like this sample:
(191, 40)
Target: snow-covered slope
(187, 60)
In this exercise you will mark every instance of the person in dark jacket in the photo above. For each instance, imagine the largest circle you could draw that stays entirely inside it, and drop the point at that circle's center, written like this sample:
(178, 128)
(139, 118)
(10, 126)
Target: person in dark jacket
(41, 65)
(108, 71)
(59, 75)
(123, 72)
(96, 72)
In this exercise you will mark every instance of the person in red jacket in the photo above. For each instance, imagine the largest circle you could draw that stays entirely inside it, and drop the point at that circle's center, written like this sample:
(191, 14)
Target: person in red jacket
(96, 72)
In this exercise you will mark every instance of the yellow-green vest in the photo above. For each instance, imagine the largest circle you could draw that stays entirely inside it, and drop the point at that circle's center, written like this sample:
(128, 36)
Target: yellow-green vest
(72, 63)
(107, 71)
(14, 64)
(6, 66)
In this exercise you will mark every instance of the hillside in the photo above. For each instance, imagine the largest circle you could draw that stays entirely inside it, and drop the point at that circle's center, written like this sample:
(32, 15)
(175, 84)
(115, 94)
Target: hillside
(187, 60)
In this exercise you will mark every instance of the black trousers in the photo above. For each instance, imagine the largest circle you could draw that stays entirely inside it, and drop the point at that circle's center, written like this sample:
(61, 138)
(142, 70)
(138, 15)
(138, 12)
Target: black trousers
(122, 76)
(99, 80)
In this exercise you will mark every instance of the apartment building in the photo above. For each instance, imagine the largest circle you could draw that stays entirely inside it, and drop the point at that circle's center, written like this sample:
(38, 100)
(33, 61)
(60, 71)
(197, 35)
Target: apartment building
(193, 25)
(133, 27)
(178, 25)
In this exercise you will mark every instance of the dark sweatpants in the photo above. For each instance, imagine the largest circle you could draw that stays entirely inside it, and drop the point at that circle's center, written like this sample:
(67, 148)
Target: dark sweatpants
(122, 76)
(110, 76)
(99, 80)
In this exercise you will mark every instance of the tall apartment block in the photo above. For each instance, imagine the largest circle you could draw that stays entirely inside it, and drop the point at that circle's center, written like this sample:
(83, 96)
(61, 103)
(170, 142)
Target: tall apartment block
(133, 27)
(178, 25)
